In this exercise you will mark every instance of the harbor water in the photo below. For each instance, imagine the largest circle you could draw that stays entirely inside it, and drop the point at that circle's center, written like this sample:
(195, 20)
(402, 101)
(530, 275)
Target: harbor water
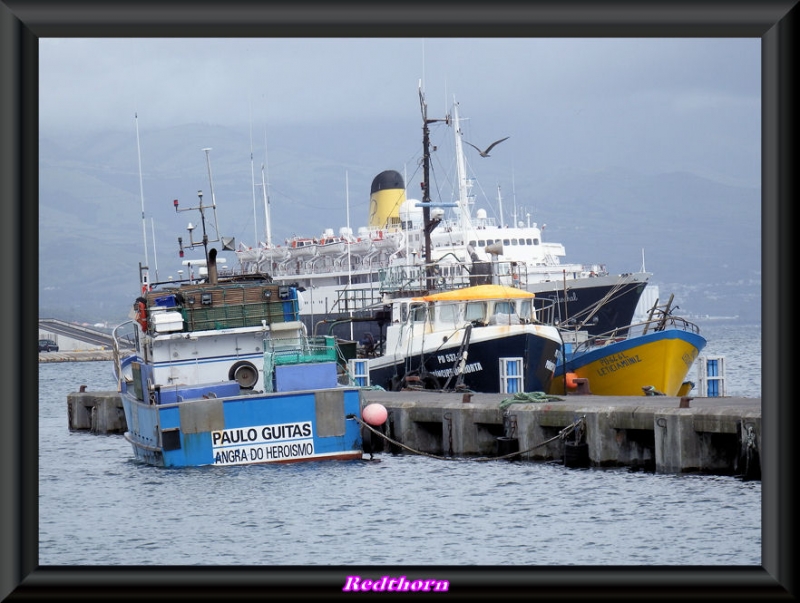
(99, 507)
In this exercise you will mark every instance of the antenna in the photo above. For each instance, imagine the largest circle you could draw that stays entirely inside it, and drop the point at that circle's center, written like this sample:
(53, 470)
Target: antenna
(253, 178)
(500, 206)
(228, 243)
(349, 267)
(153, 234)
(267, 217)
(211, 186)
(141, 189)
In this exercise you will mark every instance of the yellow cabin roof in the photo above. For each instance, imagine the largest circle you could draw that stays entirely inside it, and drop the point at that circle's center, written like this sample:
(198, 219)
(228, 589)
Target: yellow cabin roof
(478, 292)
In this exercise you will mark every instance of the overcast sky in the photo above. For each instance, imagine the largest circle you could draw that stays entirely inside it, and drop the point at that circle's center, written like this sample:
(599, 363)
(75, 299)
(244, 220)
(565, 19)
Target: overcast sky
(655, 104)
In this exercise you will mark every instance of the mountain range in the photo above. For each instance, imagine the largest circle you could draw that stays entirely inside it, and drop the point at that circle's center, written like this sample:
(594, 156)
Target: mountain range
(106, 204)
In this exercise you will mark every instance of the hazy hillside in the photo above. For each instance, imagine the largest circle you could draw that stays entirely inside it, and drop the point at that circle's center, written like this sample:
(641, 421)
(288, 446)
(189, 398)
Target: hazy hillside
(700, 238)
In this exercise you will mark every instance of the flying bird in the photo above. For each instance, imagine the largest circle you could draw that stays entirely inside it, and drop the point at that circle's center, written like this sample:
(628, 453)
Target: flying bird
(489, 148)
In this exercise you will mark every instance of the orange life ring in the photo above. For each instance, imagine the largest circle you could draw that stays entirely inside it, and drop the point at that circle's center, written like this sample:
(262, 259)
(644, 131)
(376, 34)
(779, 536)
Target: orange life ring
(141, 313)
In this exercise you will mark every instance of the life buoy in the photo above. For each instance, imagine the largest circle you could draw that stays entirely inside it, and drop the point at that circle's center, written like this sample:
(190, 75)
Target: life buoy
(141, 312)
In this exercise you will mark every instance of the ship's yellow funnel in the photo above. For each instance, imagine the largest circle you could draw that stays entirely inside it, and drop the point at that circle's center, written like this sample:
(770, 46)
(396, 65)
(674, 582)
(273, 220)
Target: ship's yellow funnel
(387, 195)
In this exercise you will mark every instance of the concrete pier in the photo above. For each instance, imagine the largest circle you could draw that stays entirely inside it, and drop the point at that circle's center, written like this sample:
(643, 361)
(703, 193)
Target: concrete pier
(720, 436)
(76, 356)
(98, 412)
(665, 434)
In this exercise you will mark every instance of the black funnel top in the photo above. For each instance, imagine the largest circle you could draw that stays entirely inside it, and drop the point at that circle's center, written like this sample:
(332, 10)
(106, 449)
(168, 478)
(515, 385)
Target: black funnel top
(387, 180)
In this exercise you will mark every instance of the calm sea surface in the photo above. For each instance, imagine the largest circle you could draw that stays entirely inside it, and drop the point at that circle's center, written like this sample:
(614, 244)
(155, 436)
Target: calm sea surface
(97, 506)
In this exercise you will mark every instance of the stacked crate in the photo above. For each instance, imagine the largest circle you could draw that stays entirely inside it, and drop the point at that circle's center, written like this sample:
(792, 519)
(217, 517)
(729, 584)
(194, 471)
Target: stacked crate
(228, 305)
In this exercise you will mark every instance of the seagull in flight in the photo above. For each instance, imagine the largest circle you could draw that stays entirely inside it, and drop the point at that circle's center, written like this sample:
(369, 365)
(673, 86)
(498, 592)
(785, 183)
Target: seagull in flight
(489, 148)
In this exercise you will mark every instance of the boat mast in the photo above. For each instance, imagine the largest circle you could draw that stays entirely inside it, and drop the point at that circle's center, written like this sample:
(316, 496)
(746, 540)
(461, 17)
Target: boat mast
(213, 198)
(253, 180)
(464, 192)
(266, 209)
(464, 205)
(143, 275)
(500, 207)
(268, 223)
(205, 241)
(428, 224)
(155, 256)
(348, 239)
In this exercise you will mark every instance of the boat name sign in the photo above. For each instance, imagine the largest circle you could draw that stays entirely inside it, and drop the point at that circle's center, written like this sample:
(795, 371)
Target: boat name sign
(263, 443)
(617, 361)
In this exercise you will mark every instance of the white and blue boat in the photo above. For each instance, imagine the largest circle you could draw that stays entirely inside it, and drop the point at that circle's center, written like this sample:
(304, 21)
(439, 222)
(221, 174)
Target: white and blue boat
(486, 338)
(224, 373)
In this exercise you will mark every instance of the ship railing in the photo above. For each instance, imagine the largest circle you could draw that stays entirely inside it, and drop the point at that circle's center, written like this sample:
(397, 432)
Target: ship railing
(452, 275)
(322, 265)
(545, 310)
(124, 337)
(301, 350)
(355, 299)
(635, 329)
(395, 279)
(298, 350)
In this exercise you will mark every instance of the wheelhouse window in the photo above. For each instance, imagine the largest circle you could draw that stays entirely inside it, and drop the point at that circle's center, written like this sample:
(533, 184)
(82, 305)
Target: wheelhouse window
(475, 311)
(448, 313)
(526, 311)
(504, 307)
(418, 313)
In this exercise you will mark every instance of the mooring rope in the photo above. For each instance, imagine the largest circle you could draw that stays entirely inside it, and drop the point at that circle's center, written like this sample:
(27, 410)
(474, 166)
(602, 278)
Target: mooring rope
(560, 435)
(529, 397)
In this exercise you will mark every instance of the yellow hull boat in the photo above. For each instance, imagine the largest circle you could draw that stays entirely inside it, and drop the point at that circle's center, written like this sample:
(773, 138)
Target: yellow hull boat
(653, 359)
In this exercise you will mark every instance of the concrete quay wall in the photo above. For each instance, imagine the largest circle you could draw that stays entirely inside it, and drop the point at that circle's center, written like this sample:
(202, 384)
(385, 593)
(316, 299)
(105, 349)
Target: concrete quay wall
(711, 435)
(98, 412)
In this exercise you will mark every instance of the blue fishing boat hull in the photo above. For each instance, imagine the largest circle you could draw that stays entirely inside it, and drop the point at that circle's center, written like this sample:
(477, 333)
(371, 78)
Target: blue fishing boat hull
(221, 427)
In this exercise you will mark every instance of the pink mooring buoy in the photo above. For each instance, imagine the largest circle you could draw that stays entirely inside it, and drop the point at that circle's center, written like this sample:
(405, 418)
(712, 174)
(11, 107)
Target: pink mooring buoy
(375, 414)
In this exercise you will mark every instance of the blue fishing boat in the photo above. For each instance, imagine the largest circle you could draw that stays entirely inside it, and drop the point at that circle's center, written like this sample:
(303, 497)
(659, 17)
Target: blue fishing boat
(224, 373)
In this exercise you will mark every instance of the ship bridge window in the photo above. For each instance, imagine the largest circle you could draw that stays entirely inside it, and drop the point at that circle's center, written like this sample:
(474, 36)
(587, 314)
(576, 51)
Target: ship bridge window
(513, 241)
(504, 314)
(448, 313)
(506, 242)
(476, 311)
(536, 241)
(481, 243)
(526, 311)
(504, 307)
(400, 314)
(418, 313)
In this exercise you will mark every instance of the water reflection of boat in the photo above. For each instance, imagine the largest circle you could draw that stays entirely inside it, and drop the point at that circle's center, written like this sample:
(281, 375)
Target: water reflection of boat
(651, 357)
